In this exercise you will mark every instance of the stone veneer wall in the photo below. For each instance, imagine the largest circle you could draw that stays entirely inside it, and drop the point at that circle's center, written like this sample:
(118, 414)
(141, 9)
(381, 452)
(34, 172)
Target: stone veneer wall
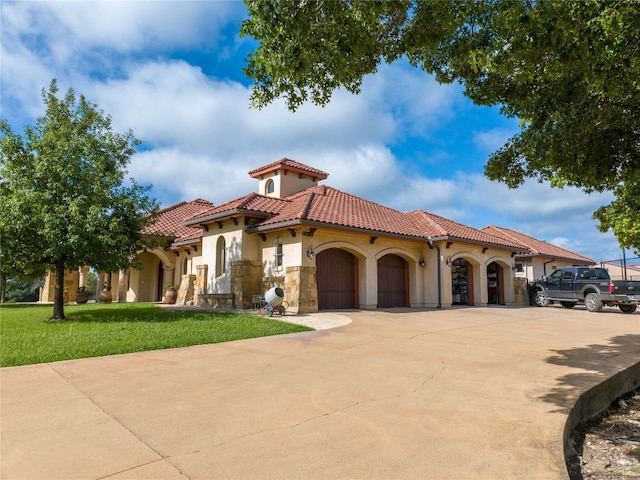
(521, 292)
(270, 282)
(245, 281)
(301, 291)
(185, 292)
(71, 283)
(202, 272)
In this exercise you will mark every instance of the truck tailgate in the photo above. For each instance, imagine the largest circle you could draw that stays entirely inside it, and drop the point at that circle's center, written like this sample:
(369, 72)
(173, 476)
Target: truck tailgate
(630, 288)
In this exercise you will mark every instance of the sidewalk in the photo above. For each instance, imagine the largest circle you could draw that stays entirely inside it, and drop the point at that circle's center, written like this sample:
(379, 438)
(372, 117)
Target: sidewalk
(477, 393)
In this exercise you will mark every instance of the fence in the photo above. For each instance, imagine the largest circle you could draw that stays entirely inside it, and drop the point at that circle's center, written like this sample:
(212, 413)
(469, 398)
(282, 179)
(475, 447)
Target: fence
(623, 268)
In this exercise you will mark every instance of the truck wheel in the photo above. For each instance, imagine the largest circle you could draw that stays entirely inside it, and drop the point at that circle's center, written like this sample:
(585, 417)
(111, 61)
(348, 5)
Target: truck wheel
(628, 308)
(592, 302)
(568, 304)
(541, 299)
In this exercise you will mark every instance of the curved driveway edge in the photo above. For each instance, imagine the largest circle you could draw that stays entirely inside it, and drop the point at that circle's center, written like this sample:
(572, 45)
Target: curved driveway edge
(446, 394)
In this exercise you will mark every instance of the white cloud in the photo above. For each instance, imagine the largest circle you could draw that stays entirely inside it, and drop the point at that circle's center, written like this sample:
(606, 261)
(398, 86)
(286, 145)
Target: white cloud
(66, 28)
(201, 137)
(493, 139)
(75, 41)
(420, 106)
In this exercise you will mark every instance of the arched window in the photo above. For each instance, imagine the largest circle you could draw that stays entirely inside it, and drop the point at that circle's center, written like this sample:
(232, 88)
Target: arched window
(221, 257)
(270, 187)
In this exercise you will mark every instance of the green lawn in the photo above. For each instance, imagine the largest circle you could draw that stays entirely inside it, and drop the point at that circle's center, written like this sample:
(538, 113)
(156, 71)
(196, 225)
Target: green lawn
(92, 330)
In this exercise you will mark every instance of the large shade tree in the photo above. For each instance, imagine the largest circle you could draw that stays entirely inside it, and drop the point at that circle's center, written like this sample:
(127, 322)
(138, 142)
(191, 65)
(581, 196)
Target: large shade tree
(568, 70)
(65, 199)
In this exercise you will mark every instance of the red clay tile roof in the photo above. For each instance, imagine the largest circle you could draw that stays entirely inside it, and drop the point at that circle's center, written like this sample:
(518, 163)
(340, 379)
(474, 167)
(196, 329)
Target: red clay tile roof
(170, 219)
(331, 207)
(436, 226)
(290, 165)
(251, 204)
(321, 205)
(327, 206)
(537, 247)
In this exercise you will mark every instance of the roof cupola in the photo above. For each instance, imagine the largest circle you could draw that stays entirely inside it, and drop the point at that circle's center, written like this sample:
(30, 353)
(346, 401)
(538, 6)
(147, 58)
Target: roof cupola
(286, 177)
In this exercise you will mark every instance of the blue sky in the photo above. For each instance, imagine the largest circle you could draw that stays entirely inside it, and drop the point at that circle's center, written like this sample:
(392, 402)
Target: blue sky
(172, 73)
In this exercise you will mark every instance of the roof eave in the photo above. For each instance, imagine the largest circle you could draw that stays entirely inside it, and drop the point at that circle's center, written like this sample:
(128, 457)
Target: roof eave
(451, 238)
(297, 222)
(226, 214)
(185, 243)
(586, 261)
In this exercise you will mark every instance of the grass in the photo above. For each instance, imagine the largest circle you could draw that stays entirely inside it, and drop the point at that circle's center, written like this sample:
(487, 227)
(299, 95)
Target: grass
(93, 330)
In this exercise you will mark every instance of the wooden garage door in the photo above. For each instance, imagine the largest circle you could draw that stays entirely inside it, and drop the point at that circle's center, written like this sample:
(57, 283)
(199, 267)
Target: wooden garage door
(336, 278)
(392, 282)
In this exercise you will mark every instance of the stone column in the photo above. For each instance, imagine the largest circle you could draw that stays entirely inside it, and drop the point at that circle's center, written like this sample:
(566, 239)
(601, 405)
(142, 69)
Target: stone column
(202, 272)
(301, 289)
(521, 292)
(82, 280)
(245, 281)
(99, 285)
(46, 292)
(168, 276)
(185, 293)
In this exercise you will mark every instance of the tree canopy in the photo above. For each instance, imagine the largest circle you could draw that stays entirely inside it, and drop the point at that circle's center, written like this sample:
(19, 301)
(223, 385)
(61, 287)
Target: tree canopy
(65, 200)
(569, 71)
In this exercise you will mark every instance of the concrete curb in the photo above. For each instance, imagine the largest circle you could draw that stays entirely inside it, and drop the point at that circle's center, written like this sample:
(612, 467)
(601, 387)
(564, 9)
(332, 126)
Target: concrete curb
(596, 400)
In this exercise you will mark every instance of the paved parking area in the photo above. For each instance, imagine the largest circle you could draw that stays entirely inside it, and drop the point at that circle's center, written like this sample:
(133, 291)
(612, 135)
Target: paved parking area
(470, 393)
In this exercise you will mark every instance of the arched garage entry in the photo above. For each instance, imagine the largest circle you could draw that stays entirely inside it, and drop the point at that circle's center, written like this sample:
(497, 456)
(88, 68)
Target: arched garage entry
(495, 283)
(393, 282)
(337, 279)
(462, 291)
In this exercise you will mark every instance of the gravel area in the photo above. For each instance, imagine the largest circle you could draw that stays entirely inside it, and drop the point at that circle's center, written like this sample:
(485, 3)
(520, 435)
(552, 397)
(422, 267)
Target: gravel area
(608, 447)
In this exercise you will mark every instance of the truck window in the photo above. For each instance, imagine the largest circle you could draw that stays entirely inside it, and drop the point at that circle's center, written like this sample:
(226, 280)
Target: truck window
(594, 273)
(567, 276)
(555, 276)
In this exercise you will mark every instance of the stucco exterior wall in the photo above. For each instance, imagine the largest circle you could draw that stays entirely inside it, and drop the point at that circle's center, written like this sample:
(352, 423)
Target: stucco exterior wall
(479, 258)
(368, 250)
(285, 183)
(535, 267)
(71, 283)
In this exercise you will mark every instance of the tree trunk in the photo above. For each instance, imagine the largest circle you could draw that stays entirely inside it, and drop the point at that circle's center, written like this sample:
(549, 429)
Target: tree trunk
(3, 287)
(58, 293)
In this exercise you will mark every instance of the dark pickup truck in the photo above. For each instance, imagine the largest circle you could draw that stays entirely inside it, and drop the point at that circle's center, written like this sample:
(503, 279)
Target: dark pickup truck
(591, 286)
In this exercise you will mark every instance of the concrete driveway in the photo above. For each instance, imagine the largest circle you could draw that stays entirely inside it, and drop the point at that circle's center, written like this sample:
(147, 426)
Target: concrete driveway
(473, 393)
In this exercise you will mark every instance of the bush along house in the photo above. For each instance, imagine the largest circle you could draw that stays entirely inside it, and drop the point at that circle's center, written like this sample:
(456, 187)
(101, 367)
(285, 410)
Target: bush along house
(325, 248)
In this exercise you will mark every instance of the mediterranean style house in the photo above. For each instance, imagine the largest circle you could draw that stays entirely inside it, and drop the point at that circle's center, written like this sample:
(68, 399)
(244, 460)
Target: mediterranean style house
(327, 249)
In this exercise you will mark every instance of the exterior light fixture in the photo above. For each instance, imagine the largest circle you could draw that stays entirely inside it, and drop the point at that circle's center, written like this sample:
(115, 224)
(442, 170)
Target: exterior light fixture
(421, 262)
(449, 262)
(310, 253)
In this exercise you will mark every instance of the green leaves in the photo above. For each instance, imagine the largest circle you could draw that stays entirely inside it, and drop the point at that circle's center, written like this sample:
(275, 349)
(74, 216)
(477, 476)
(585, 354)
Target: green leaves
(569, 70)
(621, 215)
(310, 48)
(65, 201)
